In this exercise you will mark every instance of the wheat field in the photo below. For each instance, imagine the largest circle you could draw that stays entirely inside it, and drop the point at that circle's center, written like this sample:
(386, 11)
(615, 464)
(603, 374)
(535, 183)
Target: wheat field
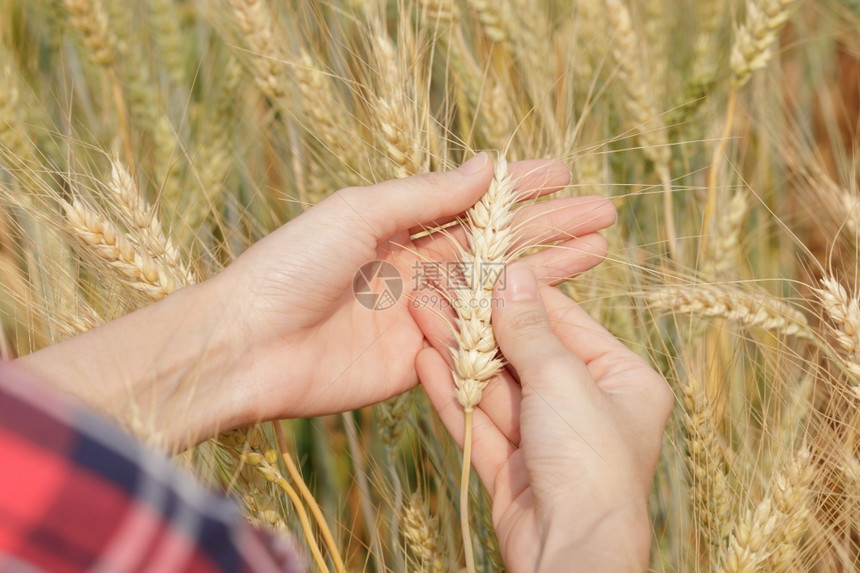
(144, 145)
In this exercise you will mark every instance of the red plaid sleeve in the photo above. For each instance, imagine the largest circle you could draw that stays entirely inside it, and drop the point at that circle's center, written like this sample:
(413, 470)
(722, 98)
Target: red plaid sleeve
(79, 494)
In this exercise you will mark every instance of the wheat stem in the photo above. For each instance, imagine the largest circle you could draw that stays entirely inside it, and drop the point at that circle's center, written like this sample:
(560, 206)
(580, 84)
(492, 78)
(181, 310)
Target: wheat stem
(464, 492)
(713, 173)
(363, 488)
(309, 499)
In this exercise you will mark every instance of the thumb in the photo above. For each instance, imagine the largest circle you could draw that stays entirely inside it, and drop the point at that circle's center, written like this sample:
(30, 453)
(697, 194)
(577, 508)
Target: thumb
(400, 204)
(522, 329)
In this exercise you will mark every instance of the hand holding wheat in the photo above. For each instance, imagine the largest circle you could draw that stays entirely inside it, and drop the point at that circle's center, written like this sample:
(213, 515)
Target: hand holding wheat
(245, 345)
(568, 454)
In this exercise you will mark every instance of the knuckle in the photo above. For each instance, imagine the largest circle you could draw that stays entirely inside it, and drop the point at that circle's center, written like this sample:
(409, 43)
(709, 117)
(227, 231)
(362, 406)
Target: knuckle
(529, 321)
(428, 180)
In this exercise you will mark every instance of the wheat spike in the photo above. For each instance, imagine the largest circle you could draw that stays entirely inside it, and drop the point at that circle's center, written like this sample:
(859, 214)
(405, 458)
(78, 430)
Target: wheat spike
(844, 312)
(12, 135)
(626, 51)
(655, 32)
(749, 310)
(767, 538)
(493, 17)
(392, 111)
(146, 224)
(476, 359)
(420, 530)
(168, 36)
(442, 11)
(726, 240)
(316, 91)
(754, 40)
(711, 496)
(102, 237)
(90, 19)
(256, 24)
(495, 109)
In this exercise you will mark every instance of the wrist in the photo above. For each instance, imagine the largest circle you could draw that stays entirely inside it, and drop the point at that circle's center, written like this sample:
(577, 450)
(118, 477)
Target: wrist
(163, 371)
(618, 540)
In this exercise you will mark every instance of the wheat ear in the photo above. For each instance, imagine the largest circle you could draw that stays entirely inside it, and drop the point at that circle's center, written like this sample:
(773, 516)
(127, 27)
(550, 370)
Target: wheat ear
(752, 50)
(392, 112)
(420, 530)
(476, 358)
(493, 17)
(749, 310)
(709, 488)
(439, 10)
(147, 275)
(753, 47)
(168, 37)
(90, 18)
(651, 131)
(142, 218)
(767, 538)
(13, 138)
(254, 19)
(844, 312)
(246, 446)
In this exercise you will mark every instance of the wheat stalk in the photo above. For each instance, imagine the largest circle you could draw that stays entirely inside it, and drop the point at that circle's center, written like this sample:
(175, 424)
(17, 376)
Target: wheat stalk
(754, 40)
(476, 358)
(750, 310)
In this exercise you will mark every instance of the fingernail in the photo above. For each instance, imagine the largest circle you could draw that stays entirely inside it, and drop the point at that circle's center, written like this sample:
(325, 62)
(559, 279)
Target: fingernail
(475, 164)
(521, 283)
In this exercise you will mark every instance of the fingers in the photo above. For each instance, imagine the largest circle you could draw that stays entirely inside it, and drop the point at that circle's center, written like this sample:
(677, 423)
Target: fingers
(534, 178)
(542, 223)
(559, 263)
(490, 448)
(615, 368)
(525, 336)
(433, 312)
(386, 208)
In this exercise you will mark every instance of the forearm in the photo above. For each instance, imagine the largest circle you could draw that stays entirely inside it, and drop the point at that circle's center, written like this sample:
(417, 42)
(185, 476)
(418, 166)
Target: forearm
(159, 371)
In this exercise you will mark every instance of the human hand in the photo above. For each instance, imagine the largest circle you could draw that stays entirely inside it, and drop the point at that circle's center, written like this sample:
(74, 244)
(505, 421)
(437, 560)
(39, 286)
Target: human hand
(280, 334)
(568, 454)
(308, 347)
